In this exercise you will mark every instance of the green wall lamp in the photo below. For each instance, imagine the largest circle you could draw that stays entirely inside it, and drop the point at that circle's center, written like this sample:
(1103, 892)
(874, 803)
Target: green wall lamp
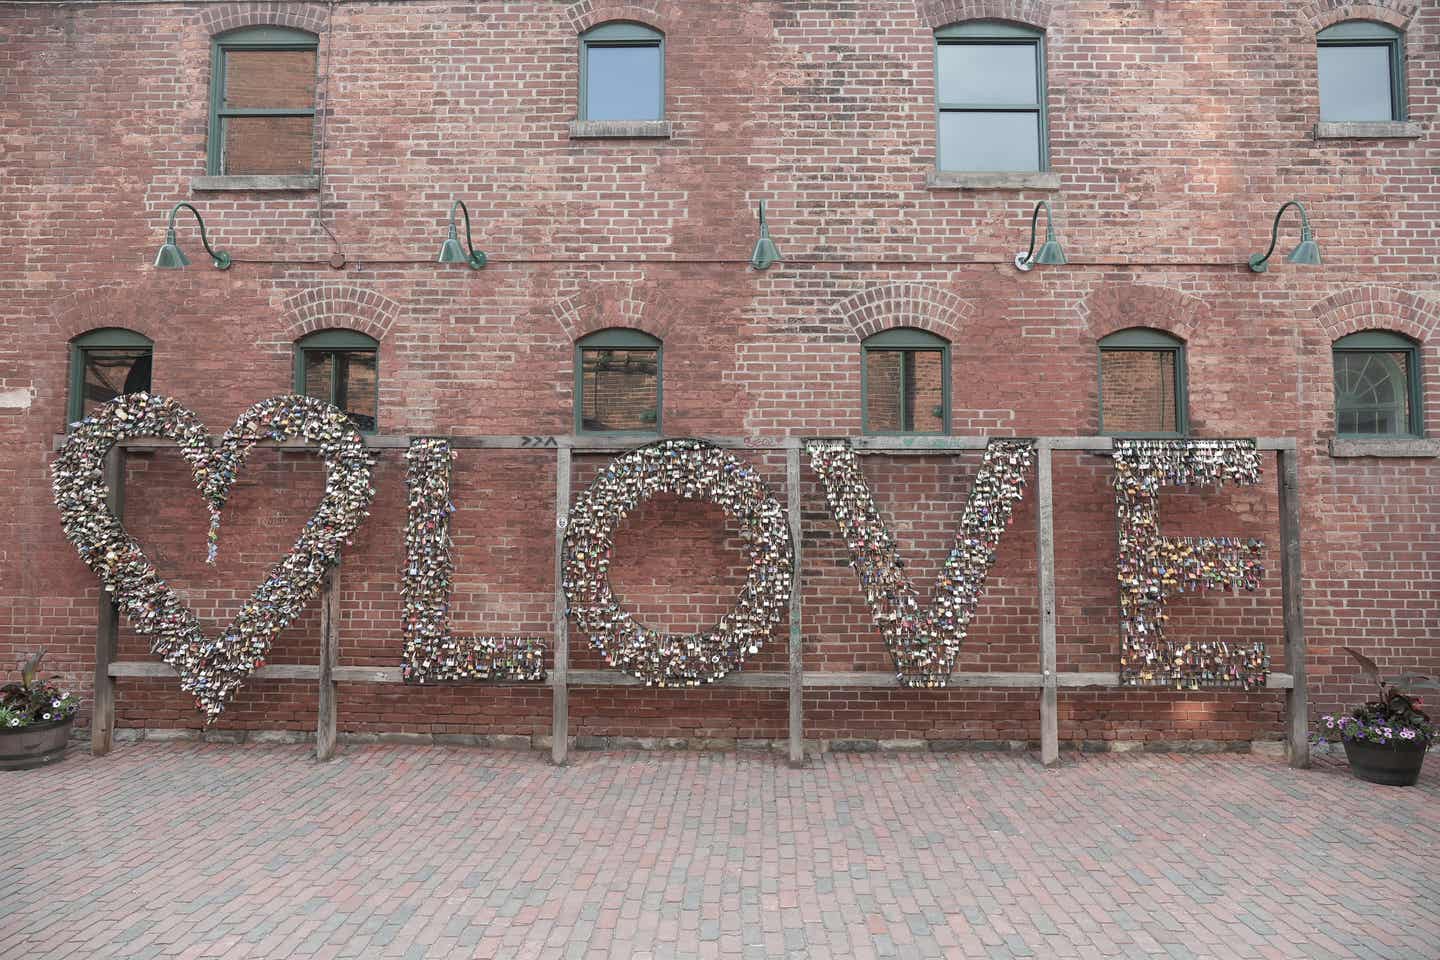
(171, 257)
(766, 253)
(451, 251)
(1307, 252)
(1049, 253)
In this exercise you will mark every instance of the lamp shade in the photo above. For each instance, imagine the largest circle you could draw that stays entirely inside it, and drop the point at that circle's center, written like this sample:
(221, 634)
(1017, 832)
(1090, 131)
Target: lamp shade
(1050, 254)
(1308, 252)
(766, 253)
(451, 251)
(171, 257)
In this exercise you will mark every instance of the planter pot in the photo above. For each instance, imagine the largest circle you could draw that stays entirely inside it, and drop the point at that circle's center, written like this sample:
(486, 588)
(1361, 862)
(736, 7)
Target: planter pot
(1392, 764)
(35, 745)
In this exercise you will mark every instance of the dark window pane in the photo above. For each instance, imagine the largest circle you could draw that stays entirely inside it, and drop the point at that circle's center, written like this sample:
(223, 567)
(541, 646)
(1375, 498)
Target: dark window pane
(978, 73)
(319, 371)
(270, 79)
(989, 141)
(1355, 83)
(904, 391)
(111, 372)
(267, 145)
(623, 83)
(359, 388)
(1137, 391)
(619, 389)
(883, 370)
(1372, 392)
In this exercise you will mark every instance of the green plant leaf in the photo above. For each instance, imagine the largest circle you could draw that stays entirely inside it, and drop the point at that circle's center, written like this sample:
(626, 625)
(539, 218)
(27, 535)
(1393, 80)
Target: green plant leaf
(1371, 668)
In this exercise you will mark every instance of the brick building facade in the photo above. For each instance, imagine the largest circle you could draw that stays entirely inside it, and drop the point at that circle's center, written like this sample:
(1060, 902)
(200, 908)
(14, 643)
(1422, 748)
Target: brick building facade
(1176, 129)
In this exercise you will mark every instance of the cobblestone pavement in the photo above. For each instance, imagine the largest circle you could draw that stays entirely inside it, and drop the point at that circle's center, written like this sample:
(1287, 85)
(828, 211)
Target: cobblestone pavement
(213, 850)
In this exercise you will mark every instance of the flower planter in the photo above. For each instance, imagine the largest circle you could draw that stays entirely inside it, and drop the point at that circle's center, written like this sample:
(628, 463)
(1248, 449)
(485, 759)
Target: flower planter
(1396, 764)
(34, 745)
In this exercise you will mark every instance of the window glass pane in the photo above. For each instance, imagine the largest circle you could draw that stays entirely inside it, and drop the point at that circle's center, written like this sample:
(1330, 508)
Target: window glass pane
(319, 367)
(923, 403)
(619, 389)
(270, 79)
(904, 391)
(1137, 391)
(111, 372)
(267, 145)
(1001, 73)
(623, 83)
(882, 390)
(359, 388)
(1372, 392)
(1355, 83)
(989, 141)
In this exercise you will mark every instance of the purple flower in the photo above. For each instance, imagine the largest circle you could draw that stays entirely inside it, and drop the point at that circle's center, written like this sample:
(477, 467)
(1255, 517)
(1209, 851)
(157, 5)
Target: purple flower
(1407, 734)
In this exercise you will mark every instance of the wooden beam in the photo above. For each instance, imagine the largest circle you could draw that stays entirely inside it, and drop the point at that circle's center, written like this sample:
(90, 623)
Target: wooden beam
(797, 660)
(325, 715)
(1045, 548)
(1297, 699)
(560, 674)
(107, 622)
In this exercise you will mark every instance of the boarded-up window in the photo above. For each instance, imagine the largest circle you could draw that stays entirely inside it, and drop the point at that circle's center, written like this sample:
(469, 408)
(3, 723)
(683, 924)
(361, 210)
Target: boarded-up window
(263, 121)
(1142, 380)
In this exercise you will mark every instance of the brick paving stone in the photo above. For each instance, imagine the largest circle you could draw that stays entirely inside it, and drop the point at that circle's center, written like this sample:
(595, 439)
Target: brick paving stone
(197, 850)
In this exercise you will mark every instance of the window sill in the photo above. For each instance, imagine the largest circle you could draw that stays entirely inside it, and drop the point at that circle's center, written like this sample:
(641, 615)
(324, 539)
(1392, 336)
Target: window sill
(256, 183)
(1018, 180)
(1341, 447)
(1368, 130)
(620, 130)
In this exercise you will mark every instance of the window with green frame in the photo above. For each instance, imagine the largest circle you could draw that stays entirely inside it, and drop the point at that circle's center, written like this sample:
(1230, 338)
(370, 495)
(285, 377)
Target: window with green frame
(1377, 385)
(905, 382)
(618, 382)
(1362, 72)
(622, 72)
(343, 368)
(990, 97)
(1142, 384)
(105, 364)
(262, 102)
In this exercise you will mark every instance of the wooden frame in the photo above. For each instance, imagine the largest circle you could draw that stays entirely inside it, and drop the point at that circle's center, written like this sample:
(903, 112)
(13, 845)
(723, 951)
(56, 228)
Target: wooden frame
(795, 680)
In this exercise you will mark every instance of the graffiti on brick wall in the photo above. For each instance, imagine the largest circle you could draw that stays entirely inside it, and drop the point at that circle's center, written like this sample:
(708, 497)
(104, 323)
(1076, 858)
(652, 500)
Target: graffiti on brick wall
(432, 652)
(923, 643)
(692, 470)
(211, 670)
(1152, 567)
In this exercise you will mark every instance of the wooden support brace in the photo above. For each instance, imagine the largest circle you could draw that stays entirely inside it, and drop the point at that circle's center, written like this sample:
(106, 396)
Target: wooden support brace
(1045, 536)
(107, 626)
(329, 651)
(1297, 698)
(559, 675)
(797, 666)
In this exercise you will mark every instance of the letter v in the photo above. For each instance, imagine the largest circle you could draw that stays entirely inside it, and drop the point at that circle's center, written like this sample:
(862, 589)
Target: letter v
(924, 644)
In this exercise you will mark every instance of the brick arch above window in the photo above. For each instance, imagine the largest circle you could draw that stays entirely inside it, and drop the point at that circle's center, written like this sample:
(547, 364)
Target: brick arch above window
(337, 306)
(1378, 308)
(659, 14)
(918, 305)
(601, 306)
(940, 13)
(1320, 14)
(1120, 306)
(109, 305)
(221, 17)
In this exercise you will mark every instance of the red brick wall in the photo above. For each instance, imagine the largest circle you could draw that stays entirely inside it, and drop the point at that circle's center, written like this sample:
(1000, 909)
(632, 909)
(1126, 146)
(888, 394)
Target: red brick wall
(1176, 129)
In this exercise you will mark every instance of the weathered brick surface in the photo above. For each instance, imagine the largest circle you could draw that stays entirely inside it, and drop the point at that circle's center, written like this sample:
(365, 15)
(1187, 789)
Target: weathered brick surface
(1177, 129)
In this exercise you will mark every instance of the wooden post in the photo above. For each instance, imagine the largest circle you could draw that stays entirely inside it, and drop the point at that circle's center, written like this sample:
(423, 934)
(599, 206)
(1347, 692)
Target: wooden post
(560, 675)
(329, 650)
(1297, 698)
(797, 667)
(107, 625)
(1045, 537)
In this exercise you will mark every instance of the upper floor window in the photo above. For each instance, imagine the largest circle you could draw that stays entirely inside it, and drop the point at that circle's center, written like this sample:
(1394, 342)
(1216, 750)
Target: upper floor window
(622, 73)
(905, 382)
(1142, 384)
(990, 86)
(617, 382)
(103, 365)
(1362, 72)
(262, 103)
(1377, 385)
(341, 367)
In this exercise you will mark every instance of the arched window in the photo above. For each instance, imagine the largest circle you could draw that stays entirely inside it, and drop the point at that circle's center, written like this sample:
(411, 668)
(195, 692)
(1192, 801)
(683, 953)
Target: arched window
(622, 72)
(1142, 384)
(1362, 72)
(343, 368)
(104, 364)
(905, 382)
(990, 91)
(262, 102)
(1377, 385)
(617, 382)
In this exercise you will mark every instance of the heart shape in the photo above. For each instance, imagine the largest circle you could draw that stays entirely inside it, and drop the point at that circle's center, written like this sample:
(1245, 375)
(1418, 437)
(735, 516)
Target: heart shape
(211, 669)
